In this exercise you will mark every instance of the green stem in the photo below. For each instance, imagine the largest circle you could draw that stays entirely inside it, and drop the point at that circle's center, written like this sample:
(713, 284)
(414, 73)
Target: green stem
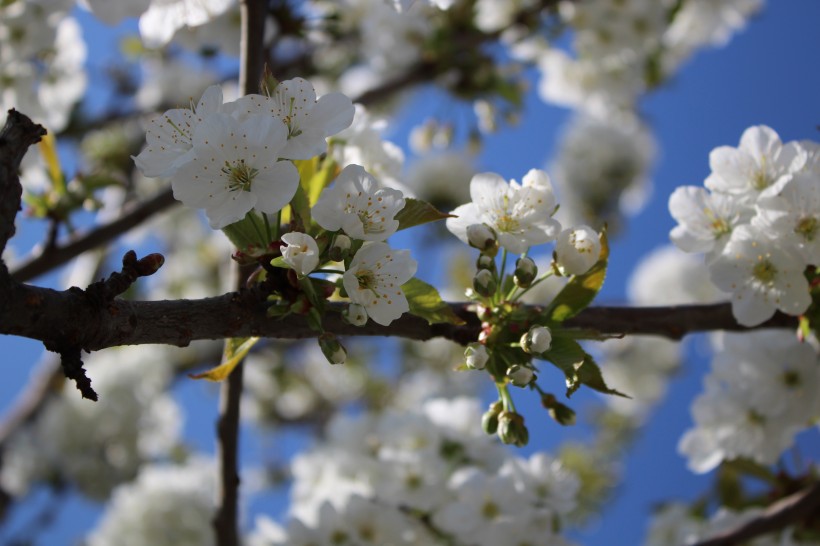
(501, 276)
(506, 399)
(535, 283)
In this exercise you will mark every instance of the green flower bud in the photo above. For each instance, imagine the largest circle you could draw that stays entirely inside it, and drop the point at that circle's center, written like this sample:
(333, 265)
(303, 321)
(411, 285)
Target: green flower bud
(482, 237)
(562, 414)
(484, 283)
(489, 421)
(525, 272)
(332, 349)
(485, 262)
(512, 430)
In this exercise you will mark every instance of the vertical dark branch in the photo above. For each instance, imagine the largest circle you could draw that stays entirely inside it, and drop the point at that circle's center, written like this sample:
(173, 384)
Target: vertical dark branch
(226, 521)
(16, 136)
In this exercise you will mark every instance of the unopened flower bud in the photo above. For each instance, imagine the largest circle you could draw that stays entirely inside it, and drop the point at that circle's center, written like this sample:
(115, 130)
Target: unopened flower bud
(521, 376)
(355, 314)
(332, 349)
(525, 272)
(512, 430)
(340, 247)
(489, 421)
(562, 414)
(482, 237)
(537, 341)
(483, 312)
(485, 262)
(476, 356)
(577, 250)
(484, 283)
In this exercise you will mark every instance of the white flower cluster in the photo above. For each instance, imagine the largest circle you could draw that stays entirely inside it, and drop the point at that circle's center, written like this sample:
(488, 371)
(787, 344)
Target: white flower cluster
(758, 222)
(622, 48)
(225, 158)
(421, 477)
(519, 216)
(676, 525)
(42, 57)
(97, 446)
(755, 400)
(167, 505)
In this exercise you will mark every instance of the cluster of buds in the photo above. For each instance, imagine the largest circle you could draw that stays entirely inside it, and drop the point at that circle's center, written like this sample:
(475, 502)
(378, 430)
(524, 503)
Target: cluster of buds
(508, 425)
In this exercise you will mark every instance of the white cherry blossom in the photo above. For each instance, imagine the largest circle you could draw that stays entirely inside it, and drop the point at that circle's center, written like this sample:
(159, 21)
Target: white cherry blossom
(170, 136)
(300, 252)
(705, 220)
(374, 281)
(309, 120)
(761, 275)
(793, 216)
(758, 163)
(521, 215)
(164, 17)
(577, 250)
(357, 204)
(235, 169)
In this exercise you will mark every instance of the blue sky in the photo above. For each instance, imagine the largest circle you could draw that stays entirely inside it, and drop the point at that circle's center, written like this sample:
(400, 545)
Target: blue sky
(766, 75)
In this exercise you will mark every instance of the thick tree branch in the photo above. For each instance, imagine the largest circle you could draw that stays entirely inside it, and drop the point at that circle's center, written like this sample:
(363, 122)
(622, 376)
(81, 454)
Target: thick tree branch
(801, 506)
(17, 135)
(45, 314)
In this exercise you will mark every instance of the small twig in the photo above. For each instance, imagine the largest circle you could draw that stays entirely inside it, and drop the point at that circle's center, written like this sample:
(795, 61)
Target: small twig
(801, 506)
(49, 258)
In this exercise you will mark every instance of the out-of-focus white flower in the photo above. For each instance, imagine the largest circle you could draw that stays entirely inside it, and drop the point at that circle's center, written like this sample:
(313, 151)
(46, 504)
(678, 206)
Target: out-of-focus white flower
(669, 276)
(111, 13)
(760, 162)
(442, 178)
(168, 505)
(362, 144)
(95, 447)
(357, 204)
(754, 401)
(301, 252)
(374, 280)
(602, 170)
(577, 250)
(521, 215)
(761, 275)
(164, 17)
(235, 169)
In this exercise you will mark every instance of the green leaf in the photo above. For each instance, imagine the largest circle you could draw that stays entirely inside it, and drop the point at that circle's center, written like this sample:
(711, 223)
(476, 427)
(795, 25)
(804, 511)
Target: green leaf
(248, 232)
(425, 302)
(578, 367)
(235, 350)
(580, 290)
(417, 212)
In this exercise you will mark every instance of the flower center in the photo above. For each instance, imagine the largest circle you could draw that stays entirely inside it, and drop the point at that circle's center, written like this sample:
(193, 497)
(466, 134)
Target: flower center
(240, 176)
(367, 280)
(807, 228)
(720, 227)
(764, 271)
